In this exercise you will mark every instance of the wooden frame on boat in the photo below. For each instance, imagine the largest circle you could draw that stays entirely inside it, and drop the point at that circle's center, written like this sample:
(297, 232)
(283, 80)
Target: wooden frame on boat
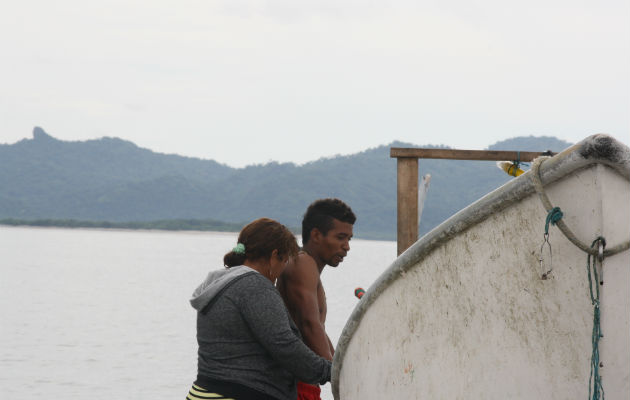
(407, 180)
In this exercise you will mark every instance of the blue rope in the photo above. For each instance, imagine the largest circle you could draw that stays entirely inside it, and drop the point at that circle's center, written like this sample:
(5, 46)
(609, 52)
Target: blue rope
(516, 164)
(554, 215)
(595, 381)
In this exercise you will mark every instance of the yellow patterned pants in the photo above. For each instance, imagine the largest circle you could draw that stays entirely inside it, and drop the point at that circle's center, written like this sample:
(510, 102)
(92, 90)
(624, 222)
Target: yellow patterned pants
(197, 392)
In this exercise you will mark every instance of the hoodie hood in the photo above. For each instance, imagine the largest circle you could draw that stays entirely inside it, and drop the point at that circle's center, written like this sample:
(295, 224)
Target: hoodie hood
(215, 283)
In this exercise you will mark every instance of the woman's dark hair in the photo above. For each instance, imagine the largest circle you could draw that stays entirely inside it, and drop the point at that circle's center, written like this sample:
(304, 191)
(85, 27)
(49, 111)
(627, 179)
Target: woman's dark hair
(260, 238)
(320, 215)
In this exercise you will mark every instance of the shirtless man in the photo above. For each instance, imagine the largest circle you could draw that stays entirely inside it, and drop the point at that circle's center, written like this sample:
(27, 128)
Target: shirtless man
(326, 234)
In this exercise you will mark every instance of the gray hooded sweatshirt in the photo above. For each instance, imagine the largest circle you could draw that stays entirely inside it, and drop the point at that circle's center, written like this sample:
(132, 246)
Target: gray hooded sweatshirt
(246, 336)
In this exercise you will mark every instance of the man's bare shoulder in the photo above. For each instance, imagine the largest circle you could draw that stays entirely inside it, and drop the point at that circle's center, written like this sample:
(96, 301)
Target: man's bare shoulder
(303, 268)
(304, 259)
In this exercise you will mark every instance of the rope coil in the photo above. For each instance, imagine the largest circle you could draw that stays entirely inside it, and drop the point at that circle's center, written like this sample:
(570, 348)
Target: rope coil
(536, 180)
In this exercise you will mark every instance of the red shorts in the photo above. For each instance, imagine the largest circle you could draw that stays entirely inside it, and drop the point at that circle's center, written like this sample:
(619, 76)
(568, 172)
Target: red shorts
(308, 392)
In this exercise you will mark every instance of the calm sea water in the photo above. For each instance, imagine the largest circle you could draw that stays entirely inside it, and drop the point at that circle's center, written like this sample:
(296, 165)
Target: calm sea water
(104, 314)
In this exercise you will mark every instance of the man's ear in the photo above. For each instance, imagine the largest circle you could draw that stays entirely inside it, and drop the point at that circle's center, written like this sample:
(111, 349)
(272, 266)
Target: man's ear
(316, 235)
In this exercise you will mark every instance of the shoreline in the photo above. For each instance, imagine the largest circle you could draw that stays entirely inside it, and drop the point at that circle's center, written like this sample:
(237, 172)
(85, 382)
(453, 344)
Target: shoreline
(102, 229)
(150, 226)
(176, 225)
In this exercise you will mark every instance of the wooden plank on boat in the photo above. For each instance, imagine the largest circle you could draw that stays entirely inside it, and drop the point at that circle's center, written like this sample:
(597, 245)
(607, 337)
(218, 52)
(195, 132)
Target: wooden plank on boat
(450, 154)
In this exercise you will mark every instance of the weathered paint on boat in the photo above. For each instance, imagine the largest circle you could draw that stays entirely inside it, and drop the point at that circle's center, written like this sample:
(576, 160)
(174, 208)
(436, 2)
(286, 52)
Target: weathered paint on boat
(464, 313)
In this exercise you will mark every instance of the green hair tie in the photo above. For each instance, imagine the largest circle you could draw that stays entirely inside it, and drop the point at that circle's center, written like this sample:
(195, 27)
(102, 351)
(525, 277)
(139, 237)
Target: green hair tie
(239, 249)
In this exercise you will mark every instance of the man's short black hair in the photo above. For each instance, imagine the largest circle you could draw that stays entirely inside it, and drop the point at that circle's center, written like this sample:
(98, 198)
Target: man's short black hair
(320, 215)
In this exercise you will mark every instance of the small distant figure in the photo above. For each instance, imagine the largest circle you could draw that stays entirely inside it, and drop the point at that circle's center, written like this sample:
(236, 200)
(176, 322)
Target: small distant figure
(249, 348)
(326, 233)
(359, 292)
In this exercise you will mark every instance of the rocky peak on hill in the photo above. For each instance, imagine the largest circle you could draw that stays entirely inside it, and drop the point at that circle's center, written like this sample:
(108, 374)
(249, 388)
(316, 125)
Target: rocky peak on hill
(40, 135)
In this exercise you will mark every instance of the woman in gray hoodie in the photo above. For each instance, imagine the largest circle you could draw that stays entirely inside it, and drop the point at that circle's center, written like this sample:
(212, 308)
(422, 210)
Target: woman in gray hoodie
(249, 348)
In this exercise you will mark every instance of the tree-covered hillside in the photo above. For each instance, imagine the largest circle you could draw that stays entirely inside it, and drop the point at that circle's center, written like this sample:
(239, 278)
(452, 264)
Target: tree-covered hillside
(114, 180)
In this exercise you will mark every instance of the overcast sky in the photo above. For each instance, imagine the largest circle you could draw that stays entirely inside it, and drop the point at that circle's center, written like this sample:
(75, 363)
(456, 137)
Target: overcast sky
(246, 82)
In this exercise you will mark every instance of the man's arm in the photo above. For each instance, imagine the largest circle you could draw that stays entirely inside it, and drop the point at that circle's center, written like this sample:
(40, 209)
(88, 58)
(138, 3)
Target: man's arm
(300, 291)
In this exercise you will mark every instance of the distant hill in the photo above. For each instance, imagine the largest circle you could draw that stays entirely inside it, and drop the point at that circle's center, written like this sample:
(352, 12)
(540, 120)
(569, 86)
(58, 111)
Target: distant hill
(110, 179)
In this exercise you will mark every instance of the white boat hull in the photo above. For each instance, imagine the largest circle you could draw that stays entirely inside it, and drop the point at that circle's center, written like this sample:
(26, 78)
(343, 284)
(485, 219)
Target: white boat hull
(464, 312)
